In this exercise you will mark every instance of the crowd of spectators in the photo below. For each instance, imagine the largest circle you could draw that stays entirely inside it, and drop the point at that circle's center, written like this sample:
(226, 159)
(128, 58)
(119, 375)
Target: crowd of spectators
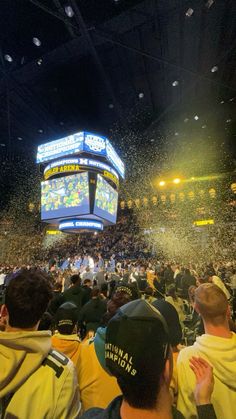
(93, 337)
(106, 326)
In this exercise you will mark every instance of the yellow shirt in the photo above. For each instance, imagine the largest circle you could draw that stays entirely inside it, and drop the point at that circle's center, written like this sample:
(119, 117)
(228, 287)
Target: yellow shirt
(97, 387)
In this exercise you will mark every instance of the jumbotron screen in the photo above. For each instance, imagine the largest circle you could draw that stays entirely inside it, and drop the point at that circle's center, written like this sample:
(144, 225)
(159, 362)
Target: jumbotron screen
(106, 200)
(65, 197)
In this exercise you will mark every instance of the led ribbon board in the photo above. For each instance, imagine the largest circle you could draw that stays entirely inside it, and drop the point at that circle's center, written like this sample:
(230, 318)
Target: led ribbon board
(78, 165)
(82, 142)
(203, 222)
(59, 148)
(72, 225)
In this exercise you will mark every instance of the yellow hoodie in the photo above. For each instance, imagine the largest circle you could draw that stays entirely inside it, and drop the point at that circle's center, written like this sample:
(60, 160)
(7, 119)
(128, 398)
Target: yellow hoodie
(221, 354)
(40, 384)
(68, 345)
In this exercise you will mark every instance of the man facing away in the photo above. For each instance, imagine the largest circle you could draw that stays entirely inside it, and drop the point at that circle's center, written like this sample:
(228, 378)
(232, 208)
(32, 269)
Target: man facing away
(218, 347)
(138, 354)
(35, 381)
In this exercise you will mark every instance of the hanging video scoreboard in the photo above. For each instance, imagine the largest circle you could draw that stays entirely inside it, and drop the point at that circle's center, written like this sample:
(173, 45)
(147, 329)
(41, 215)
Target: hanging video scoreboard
(81, 164)
(81, 181)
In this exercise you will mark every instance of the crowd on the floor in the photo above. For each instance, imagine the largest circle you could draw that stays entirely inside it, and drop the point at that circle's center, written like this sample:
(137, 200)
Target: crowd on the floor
(126, 240)
(103, 338)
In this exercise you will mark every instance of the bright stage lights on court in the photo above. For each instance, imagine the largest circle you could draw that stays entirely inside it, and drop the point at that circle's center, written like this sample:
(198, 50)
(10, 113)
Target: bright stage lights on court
(8, 58)
(162, 183)
(37, 42)
(176, 181)
(196, 117)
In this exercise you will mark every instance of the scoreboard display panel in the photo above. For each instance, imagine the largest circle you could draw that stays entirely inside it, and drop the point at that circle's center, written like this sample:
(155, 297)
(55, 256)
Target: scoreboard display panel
(106, 200)
(64, 197)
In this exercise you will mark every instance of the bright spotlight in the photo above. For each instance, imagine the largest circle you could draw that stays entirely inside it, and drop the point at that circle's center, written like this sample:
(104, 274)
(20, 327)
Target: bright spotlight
(176, 181)
(162, 183)
(196, 117)
(8, 58)
(69, 11)
(36, 41)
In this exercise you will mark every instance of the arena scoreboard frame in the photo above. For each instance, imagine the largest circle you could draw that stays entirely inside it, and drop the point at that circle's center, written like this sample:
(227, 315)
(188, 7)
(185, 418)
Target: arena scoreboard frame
(81, 142)
(79, 191)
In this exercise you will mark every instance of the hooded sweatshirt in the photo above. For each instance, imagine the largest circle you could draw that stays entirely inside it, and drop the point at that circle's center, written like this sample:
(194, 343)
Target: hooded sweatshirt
(221, 354)
(35, 381)
(69, 345)
(97, 387)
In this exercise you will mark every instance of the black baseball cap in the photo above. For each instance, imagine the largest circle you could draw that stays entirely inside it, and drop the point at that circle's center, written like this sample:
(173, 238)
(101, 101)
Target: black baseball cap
(172, 319)
(66, 318)
(131, 290)
(137, 338)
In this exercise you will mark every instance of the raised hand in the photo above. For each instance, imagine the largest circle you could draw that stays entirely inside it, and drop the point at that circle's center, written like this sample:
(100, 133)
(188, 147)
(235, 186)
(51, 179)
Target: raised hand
(204, 380)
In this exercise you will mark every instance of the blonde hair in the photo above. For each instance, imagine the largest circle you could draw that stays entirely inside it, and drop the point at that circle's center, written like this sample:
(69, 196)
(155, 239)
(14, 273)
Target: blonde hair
(211, 303)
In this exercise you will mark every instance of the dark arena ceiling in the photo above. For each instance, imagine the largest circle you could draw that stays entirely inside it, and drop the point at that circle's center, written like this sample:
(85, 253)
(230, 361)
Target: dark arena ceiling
(161, 69)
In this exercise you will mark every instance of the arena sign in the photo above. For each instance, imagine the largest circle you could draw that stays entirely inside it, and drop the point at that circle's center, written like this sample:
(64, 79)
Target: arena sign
(80, 164)
(203, 222)
(72, 225)
(81, 142)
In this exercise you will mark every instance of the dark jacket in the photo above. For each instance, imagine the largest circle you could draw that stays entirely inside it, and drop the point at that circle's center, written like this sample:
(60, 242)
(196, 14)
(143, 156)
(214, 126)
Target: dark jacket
(187, 281)
(113, 411)
(74, 294)
(87, 293)
(92, 313)
(168, 277)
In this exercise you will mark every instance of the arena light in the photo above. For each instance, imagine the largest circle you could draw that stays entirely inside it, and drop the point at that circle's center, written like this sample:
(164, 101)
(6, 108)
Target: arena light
(69, 11)
(175, 83)
(141, 95)
(36, 41)
(214, 69)
(189, 12)
(8, 58)
(176, 181)
(209, 3)
(162, 183)
(196, 117)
